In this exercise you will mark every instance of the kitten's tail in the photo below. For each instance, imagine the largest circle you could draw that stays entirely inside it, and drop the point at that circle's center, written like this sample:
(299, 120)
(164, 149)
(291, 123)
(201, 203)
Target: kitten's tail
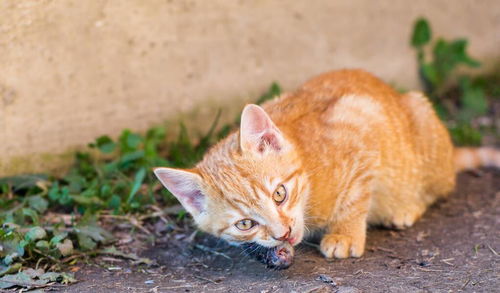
(470, 158)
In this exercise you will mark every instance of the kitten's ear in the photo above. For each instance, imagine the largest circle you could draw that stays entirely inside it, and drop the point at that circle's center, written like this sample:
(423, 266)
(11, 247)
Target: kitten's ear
(258, 131)
(185, 186)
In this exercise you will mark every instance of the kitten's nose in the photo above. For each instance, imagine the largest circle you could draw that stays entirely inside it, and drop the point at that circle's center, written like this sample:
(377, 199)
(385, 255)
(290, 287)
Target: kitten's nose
(286, 236)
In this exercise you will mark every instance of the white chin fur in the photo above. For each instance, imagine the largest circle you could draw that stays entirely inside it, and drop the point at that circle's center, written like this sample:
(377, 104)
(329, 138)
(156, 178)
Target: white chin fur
(269, 243)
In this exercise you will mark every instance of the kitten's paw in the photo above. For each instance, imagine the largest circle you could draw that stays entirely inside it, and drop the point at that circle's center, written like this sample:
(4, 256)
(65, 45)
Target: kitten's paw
(404, 220)
(341, 246)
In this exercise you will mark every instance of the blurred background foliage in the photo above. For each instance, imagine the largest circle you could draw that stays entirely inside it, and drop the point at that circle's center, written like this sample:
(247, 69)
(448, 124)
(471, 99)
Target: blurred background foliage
(460, 99)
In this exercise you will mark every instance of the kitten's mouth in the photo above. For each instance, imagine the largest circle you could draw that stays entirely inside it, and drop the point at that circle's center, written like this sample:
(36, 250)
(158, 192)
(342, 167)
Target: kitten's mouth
(279, 257)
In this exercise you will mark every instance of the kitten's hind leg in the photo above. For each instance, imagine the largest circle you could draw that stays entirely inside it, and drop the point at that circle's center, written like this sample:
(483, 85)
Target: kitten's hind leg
(398, 208)
(346, 235)
(405, 217)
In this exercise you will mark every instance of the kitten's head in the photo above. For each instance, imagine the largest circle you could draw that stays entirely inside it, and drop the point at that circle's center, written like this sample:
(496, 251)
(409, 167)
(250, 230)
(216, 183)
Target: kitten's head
(248, 188)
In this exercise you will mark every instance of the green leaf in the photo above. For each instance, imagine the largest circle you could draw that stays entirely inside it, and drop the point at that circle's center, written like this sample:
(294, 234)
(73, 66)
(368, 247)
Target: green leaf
(84, 165)
(139, 178)
(447, 56)
(35, 233)
(85, 242)
(156, 133)
(114, 202)
(10, 242)
(23, 243)
(24, 181)
(58, 194)
(87, 200)
(430, 74)
(58, 238)
(129, 141)
(110, 168)
(473, 99)
(38, 203)
(33, 273)
(464, 134)
(421, 33)
(63, 278)
(76, 182)
(105, 190)
(66, 247)
(154, 137)
(459, 52)
(181, 215)
(130, 157)
(15, 267)
(20, 279)
(64, 198)
(43, 245)
(105, 144)
(32, 278)
(90, 234)
(133, 140)
(32, 214)
(54, 192)
(10, 258)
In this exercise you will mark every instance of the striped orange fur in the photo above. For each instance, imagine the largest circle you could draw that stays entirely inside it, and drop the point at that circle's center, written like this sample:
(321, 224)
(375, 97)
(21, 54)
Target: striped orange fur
(345, 150)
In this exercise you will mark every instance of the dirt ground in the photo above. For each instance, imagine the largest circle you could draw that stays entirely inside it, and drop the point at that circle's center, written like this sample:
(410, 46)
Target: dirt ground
(453, 248)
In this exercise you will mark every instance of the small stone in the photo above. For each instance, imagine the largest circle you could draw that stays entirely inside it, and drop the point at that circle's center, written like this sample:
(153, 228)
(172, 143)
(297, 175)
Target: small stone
(326, 279)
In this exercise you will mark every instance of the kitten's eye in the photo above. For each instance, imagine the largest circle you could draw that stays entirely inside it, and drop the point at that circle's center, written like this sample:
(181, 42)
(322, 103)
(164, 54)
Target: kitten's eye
(279, 195)
(245, 224)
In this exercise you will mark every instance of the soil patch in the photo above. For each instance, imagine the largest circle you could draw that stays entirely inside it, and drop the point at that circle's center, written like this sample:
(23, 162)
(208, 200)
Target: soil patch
(453, 248)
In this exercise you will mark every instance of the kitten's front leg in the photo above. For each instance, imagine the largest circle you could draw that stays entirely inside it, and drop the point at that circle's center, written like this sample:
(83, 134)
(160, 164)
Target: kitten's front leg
(346, 234)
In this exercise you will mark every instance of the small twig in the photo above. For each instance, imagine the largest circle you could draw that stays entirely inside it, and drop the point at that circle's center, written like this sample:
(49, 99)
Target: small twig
(205, 279)
(385, 249)
(153, 215)
(492, 250)
(198, 262)
(132, 220)
(138, 224)
(429, 270)
(465, 284)
(208, 249)
(47, 256)
(38, 262)
(121, 217)
(192, 236)
(72, 257)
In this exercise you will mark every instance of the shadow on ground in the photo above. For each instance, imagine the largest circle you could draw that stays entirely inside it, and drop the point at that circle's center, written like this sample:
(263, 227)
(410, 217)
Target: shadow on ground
(453, 248)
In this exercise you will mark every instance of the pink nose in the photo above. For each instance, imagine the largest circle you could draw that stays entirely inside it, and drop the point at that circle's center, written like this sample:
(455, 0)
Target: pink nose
(286, 236)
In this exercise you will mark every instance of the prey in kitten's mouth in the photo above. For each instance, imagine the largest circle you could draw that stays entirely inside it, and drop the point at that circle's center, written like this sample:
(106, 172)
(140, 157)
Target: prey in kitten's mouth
(279, 257)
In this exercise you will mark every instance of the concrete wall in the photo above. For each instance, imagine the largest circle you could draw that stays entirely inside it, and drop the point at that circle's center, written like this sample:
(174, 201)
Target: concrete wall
(73, 70)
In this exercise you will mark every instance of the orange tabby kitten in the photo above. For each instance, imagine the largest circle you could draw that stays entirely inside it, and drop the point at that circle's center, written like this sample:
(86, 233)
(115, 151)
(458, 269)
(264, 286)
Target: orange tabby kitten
(343, 151)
